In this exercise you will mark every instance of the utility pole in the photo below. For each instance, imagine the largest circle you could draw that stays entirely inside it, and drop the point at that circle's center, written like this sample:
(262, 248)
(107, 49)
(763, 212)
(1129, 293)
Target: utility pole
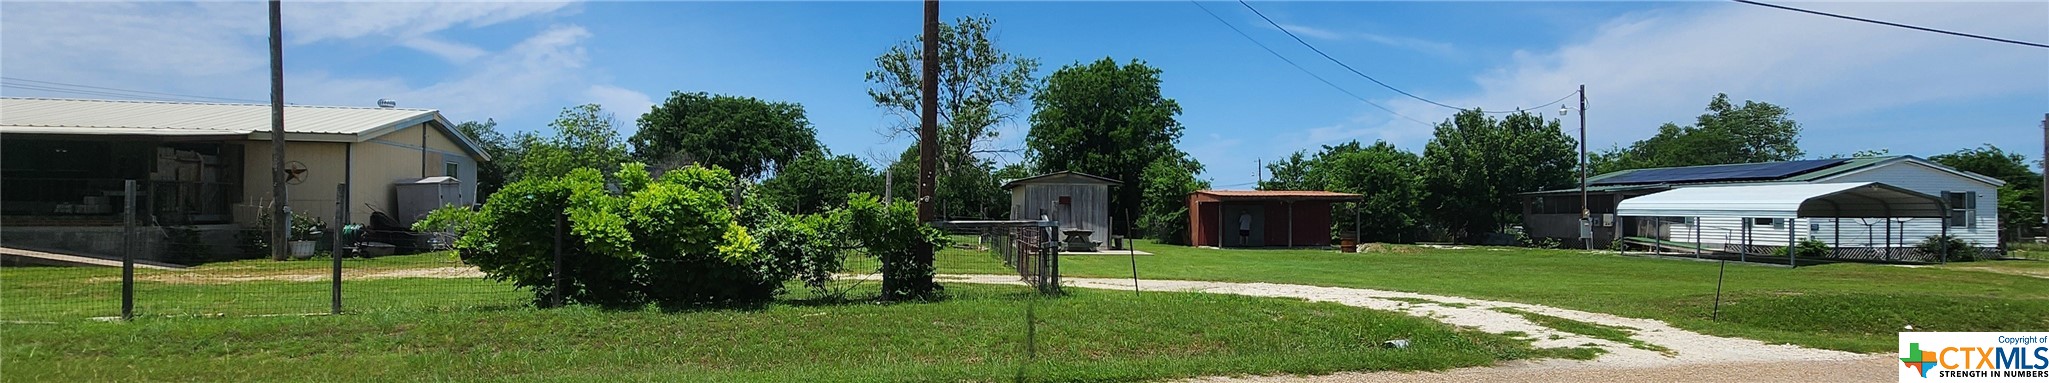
(928, 129)
(1257, 177)
(280, 212)
(1585, 213)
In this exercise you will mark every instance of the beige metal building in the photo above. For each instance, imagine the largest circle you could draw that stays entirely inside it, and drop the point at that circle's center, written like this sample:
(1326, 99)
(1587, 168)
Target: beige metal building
(208, 165)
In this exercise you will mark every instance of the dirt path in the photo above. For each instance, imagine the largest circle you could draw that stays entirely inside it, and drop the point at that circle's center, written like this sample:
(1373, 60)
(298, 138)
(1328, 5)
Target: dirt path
(1692, 356)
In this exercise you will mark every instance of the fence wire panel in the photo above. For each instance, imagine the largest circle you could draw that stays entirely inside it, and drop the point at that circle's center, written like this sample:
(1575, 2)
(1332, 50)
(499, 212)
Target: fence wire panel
(1026, 249)
(35, 290)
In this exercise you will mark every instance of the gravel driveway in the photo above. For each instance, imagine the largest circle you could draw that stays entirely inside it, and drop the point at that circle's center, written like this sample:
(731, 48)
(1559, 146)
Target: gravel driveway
(1691, 357)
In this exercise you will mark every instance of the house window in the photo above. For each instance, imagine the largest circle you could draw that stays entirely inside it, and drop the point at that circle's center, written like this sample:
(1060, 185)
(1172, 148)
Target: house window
(1764, 221)
(1963, 208)
(452, 169)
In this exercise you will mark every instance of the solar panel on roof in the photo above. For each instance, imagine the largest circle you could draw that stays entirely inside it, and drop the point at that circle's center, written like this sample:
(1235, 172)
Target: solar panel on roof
(1712, 173)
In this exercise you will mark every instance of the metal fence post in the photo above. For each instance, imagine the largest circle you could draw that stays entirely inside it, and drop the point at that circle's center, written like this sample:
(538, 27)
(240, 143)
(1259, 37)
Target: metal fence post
(341, 219)
(555, 294)
(128, 250)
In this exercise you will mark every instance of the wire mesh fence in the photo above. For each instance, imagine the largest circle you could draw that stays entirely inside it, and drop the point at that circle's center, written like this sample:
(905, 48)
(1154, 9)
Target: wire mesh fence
(135, 267)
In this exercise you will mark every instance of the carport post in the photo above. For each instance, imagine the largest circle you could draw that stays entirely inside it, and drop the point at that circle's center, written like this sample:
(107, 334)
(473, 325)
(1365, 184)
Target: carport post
(1696, 238)
(1744, 256)
(1944, 246)
(1836, 247)
(1790, 242)
(1291, 222)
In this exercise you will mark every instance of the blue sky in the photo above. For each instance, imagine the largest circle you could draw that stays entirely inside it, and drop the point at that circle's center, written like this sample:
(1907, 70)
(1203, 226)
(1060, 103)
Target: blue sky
(1853, 86)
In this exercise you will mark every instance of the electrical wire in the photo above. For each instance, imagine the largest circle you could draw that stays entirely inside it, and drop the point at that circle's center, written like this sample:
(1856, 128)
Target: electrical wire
(1305, 43)
(183, 97)
(87, 93)
(1248, 37)
(1886, 23)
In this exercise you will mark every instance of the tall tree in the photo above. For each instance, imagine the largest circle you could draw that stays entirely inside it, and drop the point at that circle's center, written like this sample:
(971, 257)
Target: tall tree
(1389, 178)
(1726, 134)
(966, 192)
(505, 154)
(745, 135)
(585, 136)
(1164, 213)
(2020, 200)
(1475, 165)
(1290, 173)
(818, 181)
(980, 86)
(1105, 119)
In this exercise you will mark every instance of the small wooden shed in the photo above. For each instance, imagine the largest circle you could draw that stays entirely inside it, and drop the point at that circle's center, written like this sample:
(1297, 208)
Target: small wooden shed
(1076, 200)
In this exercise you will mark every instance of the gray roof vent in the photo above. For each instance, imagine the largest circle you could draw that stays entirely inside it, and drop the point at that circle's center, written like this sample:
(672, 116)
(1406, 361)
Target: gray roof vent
(386, 103)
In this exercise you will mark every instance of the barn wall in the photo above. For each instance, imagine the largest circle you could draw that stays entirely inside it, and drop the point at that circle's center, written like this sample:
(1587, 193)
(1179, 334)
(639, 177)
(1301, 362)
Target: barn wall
(1311, 223)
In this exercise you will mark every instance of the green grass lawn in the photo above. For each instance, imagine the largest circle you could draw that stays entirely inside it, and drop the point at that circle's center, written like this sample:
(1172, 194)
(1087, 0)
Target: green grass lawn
(1853, 307)
(468, 328)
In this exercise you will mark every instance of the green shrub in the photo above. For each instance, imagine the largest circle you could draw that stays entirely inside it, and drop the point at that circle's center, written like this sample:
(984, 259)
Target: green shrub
(1958, 249)
(1810, 248)
(892, 234)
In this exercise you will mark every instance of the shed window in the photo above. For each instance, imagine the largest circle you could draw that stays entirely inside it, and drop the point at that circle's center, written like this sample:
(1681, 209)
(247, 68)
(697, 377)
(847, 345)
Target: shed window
(1963, 208)
(452, 169)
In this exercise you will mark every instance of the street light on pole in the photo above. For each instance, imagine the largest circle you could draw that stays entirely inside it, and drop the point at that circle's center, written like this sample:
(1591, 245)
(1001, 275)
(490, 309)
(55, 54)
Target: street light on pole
(1586, 224)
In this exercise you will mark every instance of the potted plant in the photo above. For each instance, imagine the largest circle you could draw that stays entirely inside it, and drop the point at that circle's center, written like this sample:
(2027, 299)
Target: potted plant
(305, 230)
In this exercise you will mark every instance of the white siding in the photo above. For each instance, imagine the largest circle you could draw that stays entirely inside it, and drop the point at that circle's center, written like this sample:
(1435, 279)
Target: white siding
(1905, 174)
(1926, 180)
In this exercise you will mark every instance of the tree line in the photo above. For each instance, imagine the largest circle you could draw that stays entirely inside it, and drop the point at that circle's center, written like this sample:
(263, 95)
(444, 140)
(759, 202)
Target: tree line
(1109, 118)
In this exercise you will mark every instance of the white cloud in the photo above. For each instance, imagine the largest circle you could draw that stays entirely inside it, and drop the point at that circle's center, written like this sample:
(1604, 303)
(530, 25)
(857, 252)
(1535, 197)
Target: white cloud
(1646, 69)
(627, 103)
(312, 22)
(218, 49)
(453, 52)
(1409, 43)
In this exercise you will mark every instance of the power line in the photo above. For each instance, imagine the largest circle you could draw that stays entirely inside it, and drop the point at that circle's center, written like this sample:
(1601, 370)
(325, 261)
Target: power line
(1248, 37)
(1305, 43)
(187, 97)
(1924, 29)
(87, 92)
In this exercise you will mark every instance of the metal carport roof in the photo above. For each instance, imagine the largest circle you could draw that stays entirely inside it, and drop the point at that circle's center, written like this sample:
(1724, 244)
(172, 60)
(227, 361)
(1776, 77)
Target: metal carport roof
(1790, 200)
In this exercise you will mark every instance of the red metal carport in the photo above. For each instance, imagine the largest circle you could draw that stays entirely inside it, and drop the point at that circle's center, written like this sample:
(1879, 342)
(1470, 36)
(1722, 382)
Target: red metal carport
(1277, 217)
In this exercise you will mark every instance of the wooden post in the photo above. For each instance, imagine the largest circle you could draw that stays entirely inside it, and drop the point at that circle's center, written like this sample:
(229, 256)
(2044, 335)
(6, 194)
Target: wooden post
(341, 219)
(128, 250)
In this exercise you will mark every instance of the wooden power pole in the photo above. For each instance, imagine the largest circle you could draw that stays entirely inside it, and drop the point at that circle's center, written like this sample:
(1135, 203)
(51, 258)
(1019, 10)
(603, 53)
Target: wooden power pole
(280, 212)
(928, 127)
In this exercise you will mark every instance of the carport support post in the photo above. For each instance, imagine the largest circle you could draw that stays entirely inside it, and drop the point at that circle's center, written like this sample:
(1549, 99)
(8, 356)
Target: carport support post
(1741, 256)
(1836, 224)
(1696, 238)
(128, 250)
(1944, 246)
(1791, 228)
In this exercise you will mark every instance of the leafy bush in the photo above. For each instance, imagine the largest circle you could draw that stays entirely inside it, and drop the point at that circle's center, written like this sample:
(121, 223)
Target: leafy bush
(892, 234)
(448, 219)
(1810, 248)
(1958, 248)
(673, 242)
(807, 247)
